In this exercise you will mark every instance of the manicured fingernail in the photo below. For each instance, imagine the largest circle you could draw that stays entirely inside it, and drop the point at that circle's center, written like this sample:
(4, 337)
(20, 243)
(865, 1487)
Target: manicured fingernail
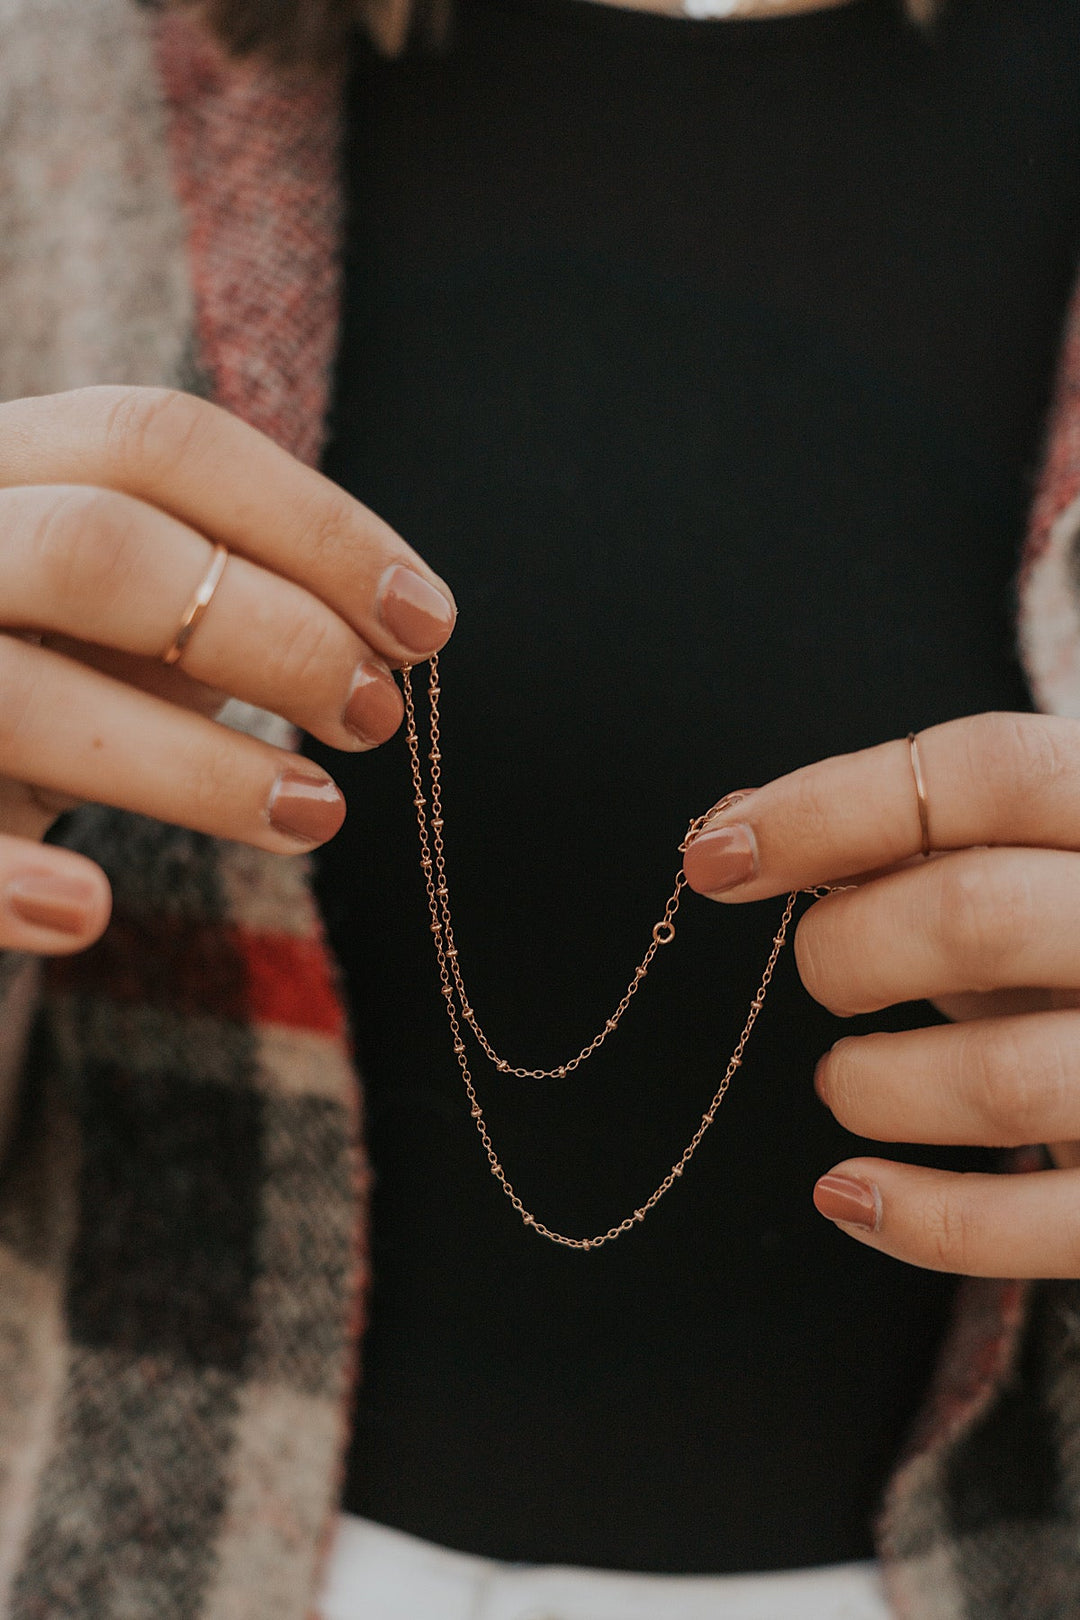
(375, 708)
(849, 1199)
(721, 860)
(413, 611)
(310, 808)
(64, 905)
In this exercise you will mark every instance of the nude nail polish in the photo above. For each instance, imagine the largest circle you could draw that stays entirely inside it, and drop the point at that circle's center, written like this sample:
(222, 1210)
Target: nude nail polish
(63, 905)
(415, 613)
(308, 808)
(721, 860)
(849, 1199)
(374, 708)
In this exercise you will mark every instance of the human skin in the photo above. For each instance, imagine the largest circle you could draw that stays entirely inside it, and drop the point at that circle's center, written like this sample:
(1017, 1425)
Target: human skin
(109, 501)
(986, 929)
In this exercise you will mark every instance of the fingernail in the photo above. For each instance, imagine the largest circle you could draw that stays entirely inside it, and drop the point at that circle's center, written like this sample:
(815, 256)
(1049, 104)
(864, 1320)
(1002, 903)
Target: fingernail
(721, 860)
(310, 808)
(64, 905)
(413, 611)
(375, 708)
(848, 1199)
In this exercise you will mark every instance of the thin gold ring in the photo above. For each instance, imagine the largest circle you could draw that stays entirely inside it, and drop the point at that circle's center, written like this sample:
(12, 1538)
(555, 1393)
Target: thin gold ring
(198, 605)
(920, 791)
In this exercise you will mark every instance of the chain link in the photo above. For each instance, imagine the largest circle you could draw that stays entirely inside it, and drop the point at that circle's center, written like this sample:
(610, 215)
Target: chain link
(459, 1009)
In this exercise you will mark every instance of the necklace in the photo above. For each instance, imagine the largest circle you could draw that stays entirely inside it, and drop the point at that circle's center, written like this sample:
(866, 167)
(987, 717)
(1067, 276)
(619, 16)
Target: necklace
(460, 1011)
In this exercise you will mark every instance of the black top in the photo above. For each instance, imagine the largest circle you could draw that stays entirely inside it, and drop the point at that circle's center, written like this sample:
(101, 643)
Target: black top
(708, 362)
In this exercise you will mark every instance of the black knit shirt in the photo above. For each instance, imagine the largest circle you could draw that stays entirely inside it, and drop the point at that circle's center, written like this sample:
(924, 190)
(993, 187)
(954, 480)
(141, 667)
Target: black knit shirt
(709, 363)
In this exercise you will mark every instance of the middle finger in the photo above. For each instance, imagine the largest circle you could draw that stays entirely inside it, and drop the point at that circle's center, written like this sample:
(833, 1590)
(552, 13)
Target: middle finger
(974, 920)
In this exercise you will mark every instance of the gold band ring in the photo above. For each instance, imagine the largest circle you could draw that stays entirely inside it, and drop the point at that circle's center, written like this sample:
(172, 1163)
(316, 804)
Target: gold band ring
(920, 791)
(198, 605)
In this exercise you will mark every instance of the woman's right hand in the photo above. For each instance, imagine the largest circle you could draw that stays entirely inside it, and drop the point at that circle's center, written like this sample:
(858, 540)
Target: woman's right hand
(111, 500)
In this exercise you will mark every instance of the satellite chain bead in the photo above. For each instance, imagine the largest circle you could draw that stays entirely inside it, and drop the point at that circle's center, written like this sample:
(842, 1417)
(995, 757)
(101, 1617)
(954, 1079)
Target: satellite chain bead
(459, 1008)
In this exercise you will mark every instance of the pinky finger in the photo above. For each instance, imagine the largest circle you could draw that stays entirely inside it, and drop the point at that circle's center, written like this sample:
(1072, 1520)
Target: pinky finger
(972, 1224)
(52, 901)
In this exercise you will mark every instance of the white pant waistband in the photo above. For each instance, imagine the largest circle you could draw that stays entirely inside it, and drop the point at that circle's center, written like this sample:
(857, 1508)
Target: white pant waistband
(379, 1574)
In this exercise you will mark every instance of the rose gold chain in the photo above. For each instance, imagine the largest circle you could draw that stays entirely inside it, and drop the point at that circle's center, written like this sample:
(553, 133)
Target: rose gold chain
(459, 1008)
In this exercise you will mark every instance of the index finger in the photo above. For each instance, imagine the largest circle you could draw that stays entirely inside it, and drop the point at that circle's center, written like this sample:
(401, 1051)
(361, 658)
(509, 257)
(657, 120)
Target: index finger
(234, 485)
(988, 779)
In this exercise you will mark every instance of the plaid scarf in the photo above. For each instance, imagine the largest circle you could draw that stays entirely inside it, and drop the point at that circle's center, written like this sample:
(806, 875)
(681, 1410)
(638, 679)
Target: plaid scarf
(182, 1207)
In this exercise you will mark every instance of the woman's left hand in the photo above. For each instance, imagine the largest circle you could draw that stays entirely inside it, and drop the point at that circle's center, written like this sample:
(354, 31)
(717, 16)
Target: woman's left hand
(988, 929)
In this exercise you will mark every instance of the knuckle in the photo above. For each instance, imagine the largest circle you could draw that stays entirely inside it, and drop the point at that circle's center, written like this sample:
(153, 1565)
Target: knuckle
(150, 432)
(214, 780)
(83, 544)
(328, 530)
(985, 914)
(1026, 752)
(306, 652)
(951, 1230)
(1015, 1098)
